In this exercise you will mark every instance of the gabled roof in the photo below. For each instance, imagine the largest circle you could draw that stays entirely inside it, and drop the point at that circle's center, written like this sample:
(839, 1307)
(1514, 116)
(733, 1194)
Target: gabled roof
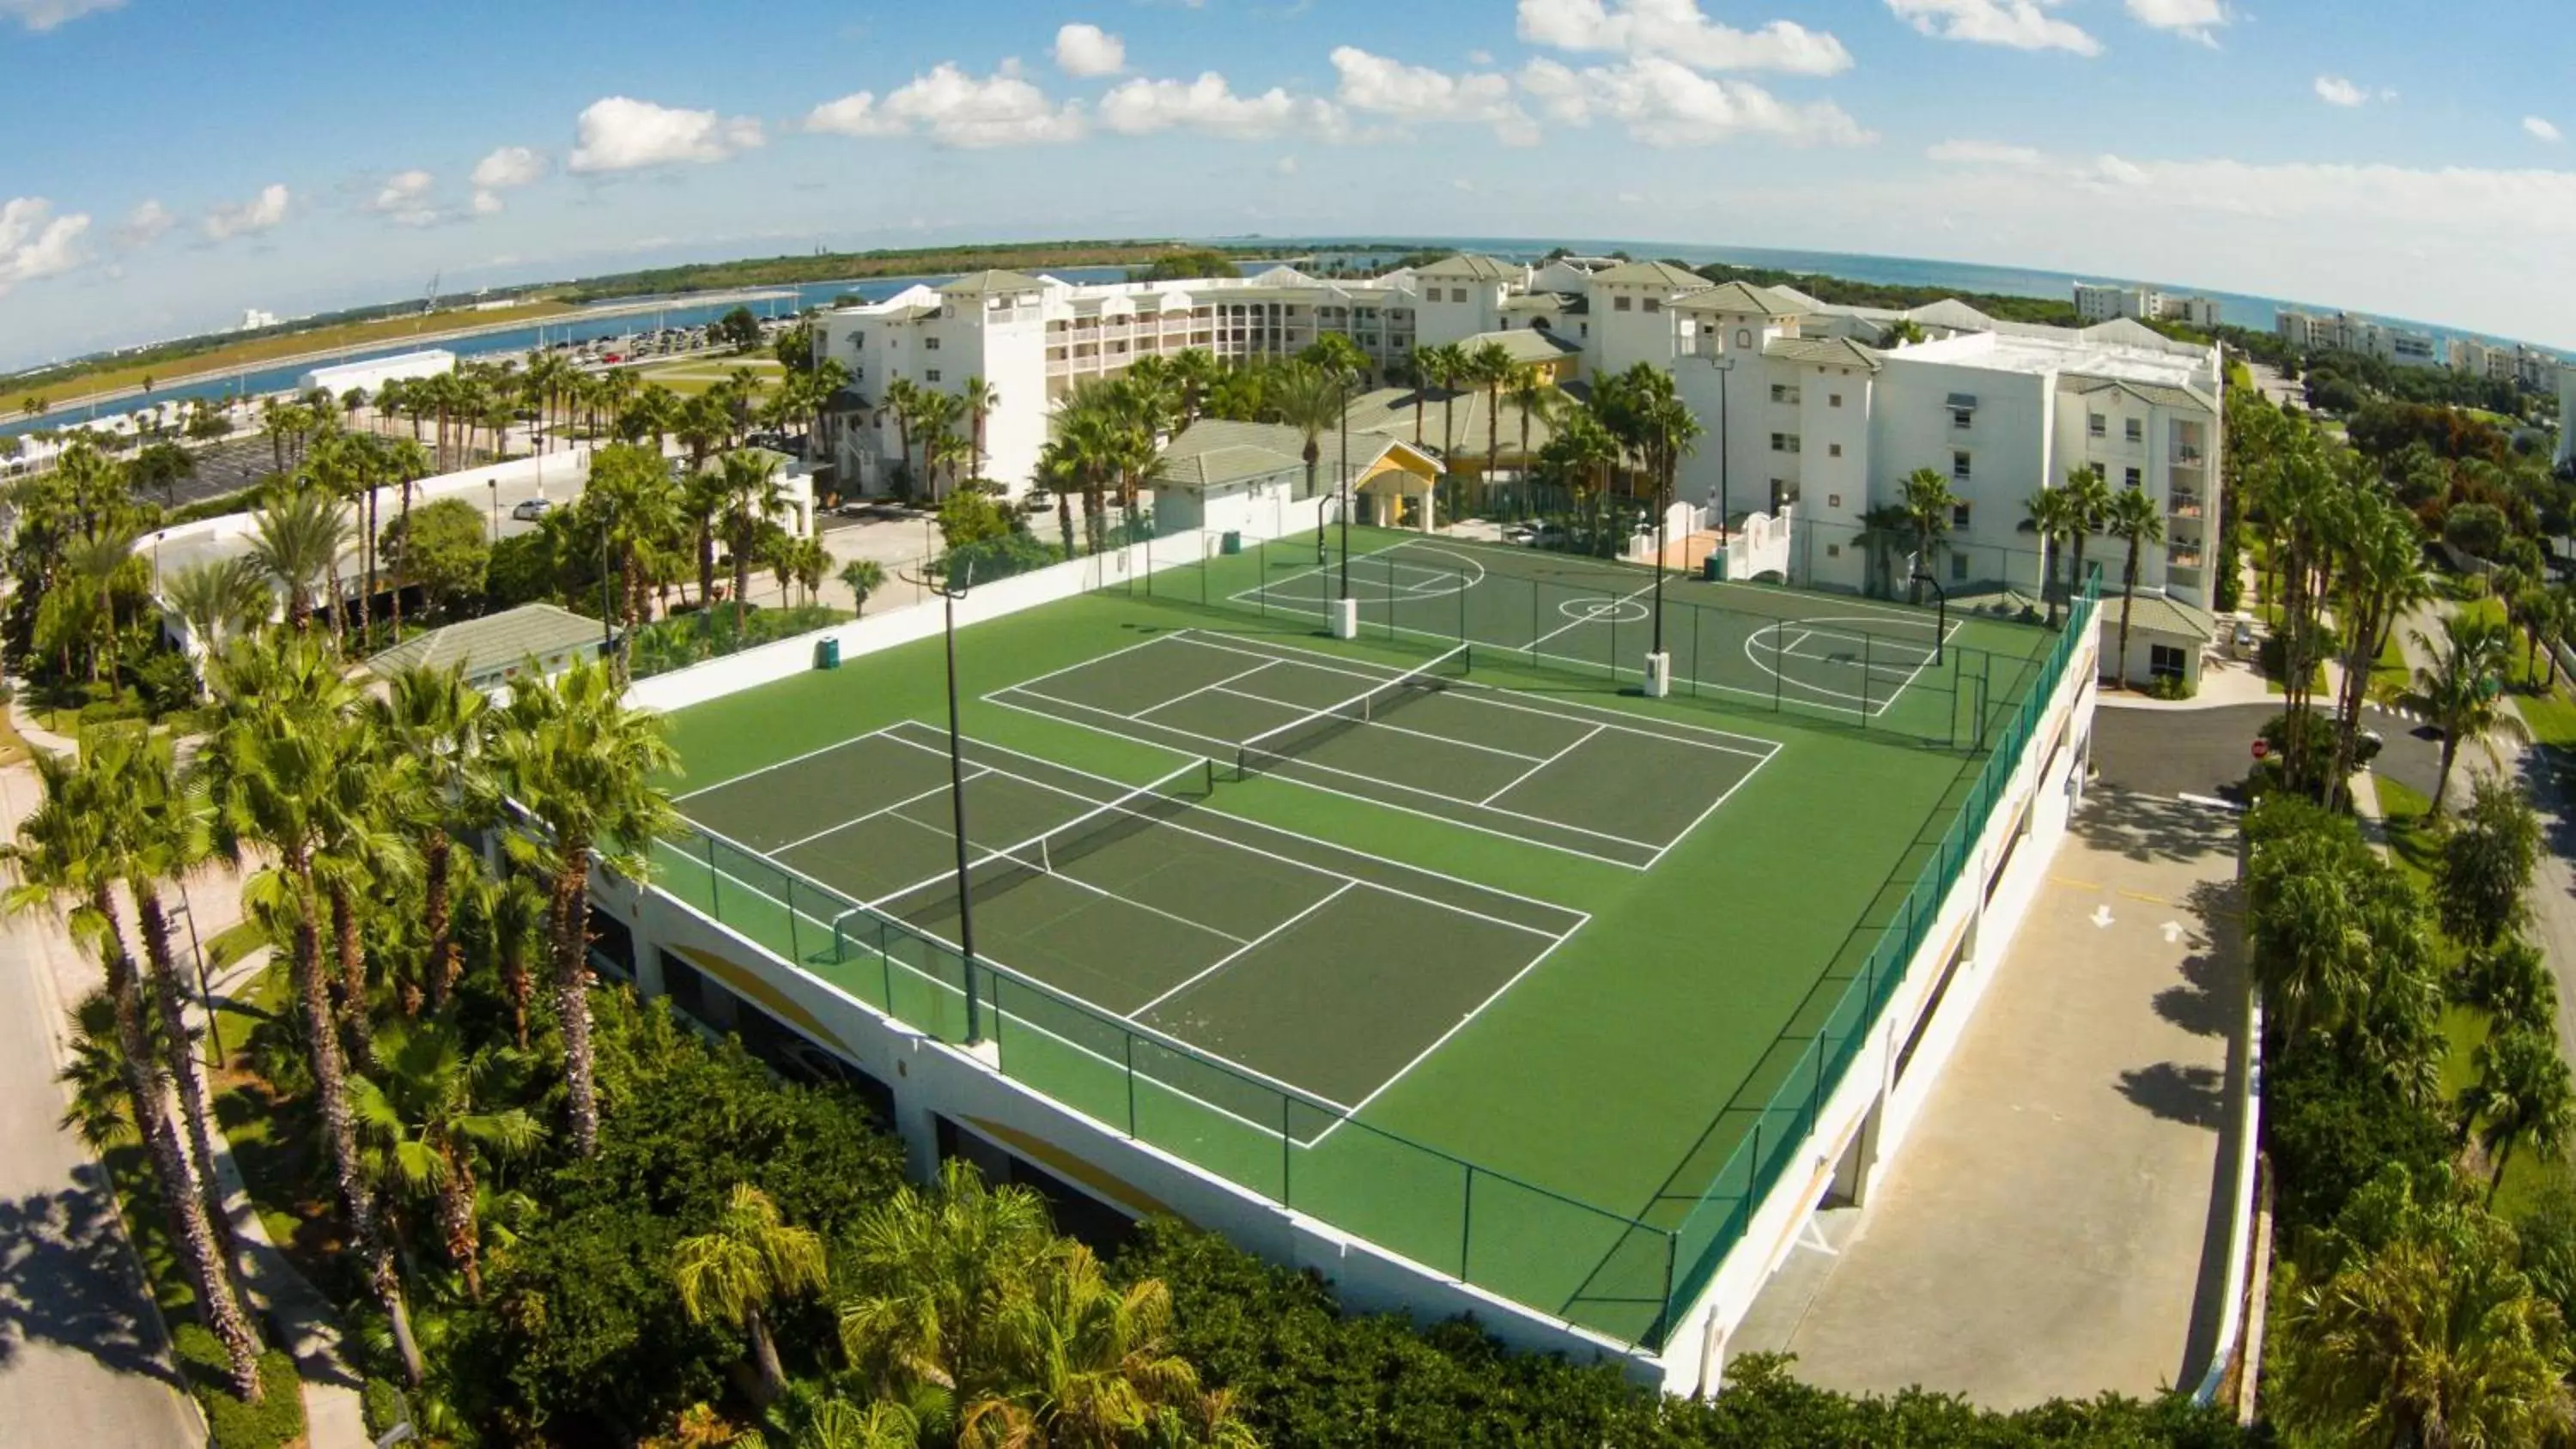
(1744, 297)
(495, 641)
(1214, 452)
(1542, 302)
(1954, 314)
(2154, 394)
(1525, 345)
(1465, 268)
(1822, 352)
(2126, 330)
(987, 284)
(2163, 614)
(1388, 412)
(1653, 274)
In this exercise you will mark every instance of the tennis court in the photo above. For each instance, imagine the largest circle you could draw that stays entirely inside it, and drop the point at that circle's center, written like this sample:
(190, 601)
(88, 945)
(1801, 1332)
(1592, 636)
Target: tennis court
(1590, 781)
(1882, 666)
(1303, 967)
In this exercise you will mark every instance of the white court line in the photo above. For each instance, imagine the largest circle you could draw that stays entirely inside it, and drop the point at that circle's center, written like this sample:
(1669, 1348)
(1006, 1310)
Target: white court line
(1202, 689)
(1498, 697)
(1792, 646)
(1402, 867)
(1228, 959)
(1543, 764)
(1579, 623)
(1713, 806)
(996, 698)
(1289, 578)
(1872, 711)
(782, 764)
(939, 789)
(1440, 1041)
(1380, 725)
(1251, 1075)
(1088, 662)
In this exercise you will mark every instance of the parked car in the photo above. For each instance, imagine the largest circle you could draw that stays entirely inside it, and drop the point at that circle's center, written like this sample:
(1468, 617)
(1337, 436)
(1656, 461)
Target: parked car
(530, 510)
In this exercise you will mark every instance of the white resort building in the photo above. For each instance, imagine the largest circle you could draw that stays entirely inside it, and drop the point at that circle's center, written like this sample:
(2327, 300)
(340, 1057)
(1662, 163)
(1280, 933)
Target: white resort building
(1799, 401)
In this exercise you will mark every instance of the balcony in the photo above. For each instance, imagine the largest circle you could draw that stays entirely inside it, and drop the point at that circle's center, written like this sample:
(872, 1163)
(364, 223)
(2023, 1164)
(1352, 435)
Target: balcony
(2183, 556)
(2184, 505)
(2188, 455)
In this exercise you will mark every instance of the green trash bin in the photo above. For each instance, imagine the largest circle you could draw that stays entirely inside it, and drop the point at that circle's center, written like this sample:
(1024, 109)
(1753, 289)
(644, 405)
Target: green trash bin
(827, 653)
(1233, 543)
(1713, 567)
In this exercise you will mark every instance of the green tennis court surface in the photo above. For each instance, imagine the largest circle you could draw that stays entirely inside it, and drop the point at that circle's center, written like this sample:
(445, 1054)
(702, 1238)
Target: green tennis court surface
(1472, 953)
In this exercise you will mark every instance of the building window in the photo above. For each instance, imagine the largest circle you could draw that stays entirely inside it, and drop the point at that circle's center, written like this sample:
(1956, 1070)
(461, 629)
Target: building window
(1784, 442)
(1833, 550)
(1959, 516)
(930, 344)
(1834, 400)
(2096, 425)
(1743, 337)
(1832, 500)
(1959, 469)
(2164, 661)
(1833, 450)
(1654, 304)
(1961, 418)
(1958, 568)
(2131, 477)
(1622, 304)
(2134, 429)
(931, 376)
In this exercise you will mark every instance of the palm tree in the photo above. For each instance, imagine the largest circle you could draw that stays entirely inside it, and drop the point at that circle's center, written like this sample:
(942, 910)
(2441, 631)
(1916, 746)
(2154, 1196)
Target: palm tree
(293, 539)
(284, 769)
(2521, 1094)
(406, 462)
(67, 858)
(2088, 502)
(2463, 693)
(2378, 551)
(1491, 368)
(1529, 390)
(751, 1259)
(584, 765)
(1446, 366)
(1928, 505)
(219, 600)
(421, 1121)
(432, 718)
(931, 1272)
(805, 561)
(752, 495)
(98, 564)
(2045, 512)
(979, 398)
(1092, 1364)
(862, 577)
(1308, 399)
(2135, 520)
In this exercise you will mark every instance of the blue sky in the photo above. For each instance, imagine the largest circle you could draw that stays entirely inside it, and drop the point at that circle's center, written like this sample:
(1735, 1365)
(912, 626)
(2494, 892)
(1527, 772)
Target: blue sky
(172, 164)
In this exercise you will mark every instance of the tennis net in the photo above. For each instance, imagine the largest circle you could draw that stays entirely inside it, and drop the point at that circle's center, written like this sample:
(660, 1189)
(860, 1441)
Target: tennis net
(1274, 747)
(1051, 851)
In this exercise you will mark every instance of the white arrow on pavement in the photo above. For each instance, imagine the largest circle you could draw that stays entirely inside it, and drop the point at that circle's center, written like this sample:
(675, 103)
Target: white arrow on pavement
(2172, 930)
(2101, 915)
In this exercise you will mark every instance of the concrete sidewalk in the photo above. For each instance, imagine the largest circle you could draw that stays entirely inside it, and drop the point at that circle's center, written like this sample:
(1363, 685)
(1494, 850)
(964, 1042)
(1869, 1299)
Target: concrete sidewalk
(2057, 1222)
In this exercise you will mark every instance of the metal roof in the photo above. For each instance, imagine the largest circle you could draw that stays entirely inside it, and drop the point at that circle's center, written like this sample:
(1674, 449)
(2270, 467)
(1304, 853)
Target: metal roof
(1469, 268)
(496, 641)
(1653, 274)
(1822, 352)
(1743, 297)
(991, 283)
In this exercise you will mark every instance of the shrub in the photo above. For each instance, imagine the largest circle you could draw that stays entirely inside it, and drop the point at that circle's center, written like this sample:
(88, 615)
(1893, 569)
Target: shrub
(384, 1407)
(275, 1421)
(2331, 1128)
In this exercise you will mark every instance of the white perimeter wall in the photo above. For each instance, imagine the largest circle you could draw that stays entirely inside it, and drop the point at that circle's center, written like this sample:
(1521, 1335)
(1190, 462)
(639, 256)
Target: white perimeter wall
(2013, 854)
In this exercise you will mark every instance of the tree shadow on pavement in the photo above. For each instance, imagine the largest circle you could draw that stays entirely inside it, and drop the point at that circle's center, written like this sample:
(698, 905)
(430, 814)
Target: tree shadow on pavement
(65, 1280)
(2195, 1096)
(2152, 828)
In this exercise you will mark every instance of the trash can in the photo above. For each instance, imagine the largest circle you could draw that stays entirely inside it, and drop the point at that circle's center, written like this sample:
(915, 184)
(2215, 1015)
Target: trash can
(1233, 543)
(827, 653)
(1713, 567)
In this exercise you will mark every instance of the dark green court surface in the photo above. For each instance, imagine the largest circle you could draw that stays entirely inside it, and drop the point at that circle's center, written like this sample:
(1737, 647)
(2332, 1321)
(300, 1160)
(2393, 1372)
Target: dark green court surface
(1469, 951)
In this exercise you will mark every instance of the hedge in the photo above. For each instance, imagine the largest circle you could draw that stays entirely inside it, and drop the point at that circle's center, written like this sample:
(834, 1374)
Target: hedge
(275, 1421)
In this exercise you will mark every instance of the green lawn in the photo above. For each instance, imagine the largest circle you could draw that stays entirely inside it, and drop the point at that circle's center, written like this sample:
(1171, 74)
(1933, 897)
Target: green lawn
(1625, 1070)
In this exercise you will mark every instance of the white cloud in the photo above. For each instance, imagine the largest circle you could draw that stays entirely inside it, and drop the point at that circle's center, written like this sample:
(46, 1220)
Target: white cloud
(1677, 30)
(405, 198)
(955, 109)
(1285, 166)
(510, 166)
(1379, 86)
(1088, 50)
(2540, 130)
(1140, 107)
(144, 225)
(42, 15)
(36, 243)
(620, 133)
(2020, 24)
(2198, 20)
(247, 218)
(2334, 90)
(1665, 104)
(1985, 153)
(487, 203)
(1480, 56)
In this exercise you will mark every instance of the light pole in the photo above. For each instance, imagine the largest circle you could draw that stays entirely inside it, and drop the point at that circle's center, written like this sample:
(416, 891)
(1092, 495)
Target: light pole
(494, 484)
(1941, 614)
(1348, 623)
(950, 591)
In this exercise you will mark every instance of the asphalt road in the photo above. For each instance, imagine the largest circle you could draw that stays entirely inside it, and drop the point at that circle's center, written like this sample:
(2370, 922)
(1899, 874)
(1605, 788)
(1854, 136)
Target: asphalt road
(2208, 751)
(81, 1355)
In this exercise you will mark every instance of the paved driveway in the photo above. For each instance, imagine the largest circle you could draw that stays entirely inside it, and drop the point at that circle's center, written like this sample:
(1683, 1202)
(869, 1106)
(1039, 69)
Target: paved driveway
(2207, 751)
(2057, 1222)
(81, 1357)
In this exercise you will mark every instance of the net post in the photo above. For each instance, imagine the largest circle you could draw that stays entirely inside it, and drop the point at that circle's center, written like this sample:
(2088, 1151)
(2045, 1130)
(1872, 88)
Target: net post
(1866, 669)
(795, 948)
(1466, 1220)
(1672, 1310)
(1129, 1039)
(1287, 1145)
(885, 966)
(715, 878)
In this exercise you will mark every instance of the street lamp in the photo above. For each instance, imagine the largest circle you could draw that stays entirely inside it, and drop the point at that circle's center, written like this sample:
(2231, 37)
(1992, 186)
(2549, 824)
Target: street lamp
(1941, 614)
(950, 591)
(494, 484)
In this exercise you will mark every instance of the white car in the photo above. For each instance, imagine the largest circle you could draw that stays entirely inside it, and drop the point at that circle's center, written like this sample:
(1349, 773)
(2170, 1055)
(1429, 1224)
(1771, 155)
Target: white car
(530, 510)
